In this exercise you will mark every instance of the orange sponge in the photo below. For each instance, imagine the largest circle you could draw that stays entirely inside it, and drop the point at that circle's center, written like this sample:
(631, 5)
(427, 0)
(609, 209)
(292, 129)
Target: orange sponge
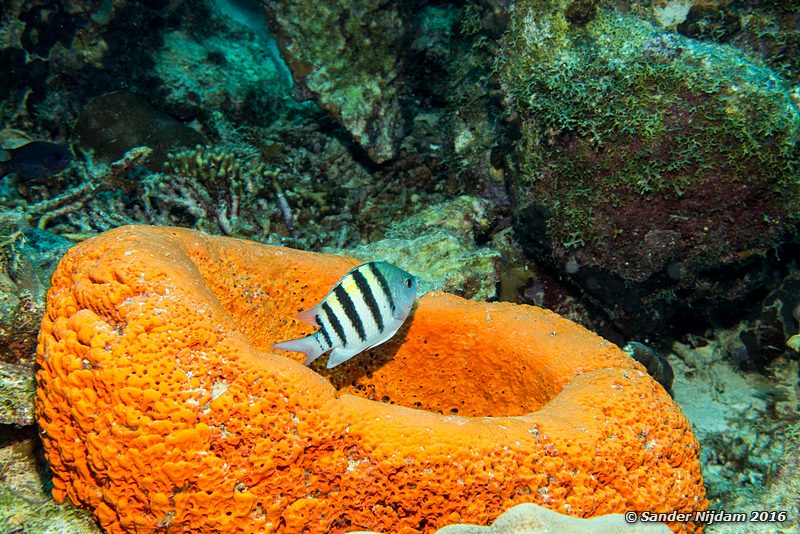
(163, 408)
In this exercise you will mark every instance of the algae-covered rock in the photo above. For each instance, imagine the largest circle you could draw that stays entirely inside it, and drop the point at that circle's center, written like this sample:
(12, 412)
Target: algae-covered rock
(249, 80)
(647, 161)
(27, 259)
(777, 503)
(344, 55)
(17, 394)
(25, 502)
(438, 245)
(442, 261)
(21, 310)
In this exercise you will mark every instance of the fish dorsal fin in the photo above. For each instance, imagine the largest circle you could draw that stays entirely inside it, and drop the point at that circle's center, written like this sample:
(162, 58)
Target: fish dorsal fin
(309, 316)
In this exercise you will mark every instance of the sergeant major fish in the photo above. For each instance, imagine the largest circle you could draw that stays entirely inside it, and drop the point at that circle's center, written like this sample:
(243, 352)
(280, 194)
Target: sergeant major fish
(365, 308)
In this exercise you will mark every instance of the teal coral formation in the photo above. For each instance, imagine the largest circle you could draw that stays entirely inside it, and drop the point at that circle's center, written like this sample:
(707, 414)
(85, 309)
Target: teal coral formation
(632, 135)
(249, 81)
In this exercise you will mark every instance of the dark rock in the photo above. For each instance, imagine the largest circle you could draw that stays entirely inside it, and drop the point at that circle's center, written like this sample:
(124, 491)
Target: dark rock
(580, 12)
(764, 338)
(114, 123)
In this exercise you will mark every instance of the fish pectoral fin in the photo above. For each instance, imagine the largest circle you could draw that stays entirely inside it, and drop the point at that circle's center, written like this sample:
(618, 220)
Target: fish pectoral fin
(342, 355)
(386, 336)
(309, 316)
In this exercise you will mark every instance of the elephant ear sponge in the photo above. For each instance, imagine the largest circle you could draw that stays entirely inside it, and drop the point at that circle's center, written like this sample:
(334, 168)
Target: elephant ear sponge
(162, 406)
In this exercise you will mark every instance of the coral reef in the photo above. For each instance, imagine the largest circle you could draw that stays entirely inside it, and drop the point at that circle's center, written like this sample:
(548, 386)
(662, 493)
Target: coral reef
(161, 403)
(83, 204)
(643, 156)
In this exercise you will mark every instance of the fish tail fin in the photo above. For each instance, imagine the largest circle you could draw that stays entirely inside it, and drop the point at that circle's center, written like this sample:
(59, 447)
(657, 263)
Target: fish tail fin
(307, 345)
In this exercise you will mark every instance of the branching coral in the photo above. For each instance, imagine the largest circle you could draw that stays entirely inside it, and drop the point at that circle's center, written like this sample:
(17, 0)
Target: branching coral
(100, 178)
(222, 192)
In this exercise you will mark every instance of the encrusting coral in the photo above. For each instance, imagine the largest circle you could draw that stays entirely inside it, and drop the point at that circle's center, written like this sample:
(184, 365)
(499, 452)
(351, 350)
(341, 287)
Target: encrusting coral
(163, 407)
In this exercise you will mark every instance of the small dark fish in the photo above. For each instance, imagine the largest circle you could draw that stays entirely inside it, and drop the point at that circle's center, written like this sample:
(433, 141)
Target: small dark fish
(34, 161)
(657, 366)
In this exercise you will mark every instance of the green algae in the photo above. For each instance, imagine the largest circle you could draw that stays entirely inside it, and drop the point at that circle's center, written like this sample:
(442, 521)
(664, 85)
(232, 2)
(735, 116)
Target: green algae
(616, 112)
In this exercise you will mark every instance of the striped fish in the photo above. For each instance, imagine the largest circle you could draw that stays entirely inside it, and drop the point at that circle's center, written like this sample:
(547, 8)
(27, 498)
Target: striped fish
(363, 310)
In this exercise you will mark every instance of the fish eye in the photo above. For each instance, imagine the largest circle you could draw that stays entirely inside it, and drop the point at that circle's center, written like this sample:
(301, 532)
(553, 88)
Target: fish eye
(408, 282)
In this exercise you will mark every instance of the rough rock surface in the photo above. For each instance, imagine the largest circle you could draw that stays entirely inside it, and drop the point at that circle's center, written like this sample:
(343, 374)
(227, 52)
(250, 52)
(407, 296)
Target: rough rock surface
(344, 55)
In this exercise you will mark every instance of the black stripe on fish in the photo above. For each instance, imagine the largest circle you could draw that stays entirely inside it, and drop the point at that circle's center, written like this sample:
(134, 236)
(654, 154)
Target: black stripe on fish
(350, 310)
(337, 326)
(369, 298)
(324, 332)
(384, 285)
